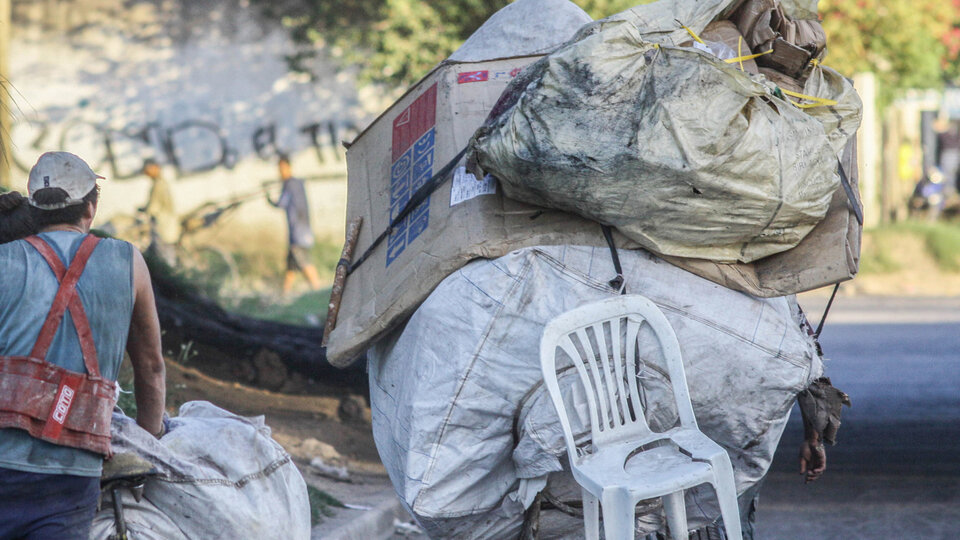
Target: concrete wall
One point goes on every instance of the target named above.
(200, 85)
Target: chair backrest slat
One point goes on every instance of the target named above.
(619, 361)
(615, 390)
(633, 381)
(592, 389)
(603, 357)
(566, 343)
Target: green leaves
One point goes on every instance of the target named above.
(908, 43)
(395, 42)
(903, 41)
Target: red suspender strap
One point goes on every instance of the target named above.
(67, 298)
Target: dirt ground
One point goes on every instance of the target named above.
(336, 419)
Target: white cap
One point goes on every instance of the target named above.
(65, 171)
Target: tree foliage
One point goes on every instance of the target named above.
(905, 42)
(908, 43)
(952, 42)
(394, 41)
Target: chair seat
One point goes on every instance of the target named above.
(649, 473)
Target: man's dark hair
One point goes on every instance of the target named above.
(148, 162)
(69, 215)
(283, 157)
(15, 219)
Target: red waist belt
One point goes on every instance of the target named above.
(49, 402)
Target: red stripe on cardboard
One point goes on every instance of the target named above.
(414, 121)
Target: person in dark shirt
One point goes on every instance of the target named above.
(948, 153)
(15, 219)
(293, 199)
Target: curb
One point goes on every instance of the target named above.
(373, 524)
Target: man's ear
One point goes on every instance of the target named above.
(90, 210)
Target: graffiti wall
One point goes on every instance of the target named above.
(191, 147)
(202, 87)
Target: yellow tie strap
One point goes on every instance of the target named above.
(740, 56)
(817, 101)
(691, 32)
(740, 51)
(740, 59)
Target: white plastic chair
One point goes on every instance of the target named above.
(629, 462)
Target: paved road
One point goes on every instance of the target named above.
(896, 471)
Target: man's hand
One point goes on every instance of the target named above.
(813, 458)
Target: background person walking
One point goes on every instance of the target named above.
(293, 199)
(161, 214)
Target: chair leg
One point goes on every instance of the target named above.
(726, 489)
(676, 509)
(729, 510)
(618, 514)
(591, 515)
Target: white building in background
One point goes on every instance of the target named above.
(202, 87)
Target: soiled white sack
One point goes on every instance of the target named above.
(144, 521)
(800, 9)
(219, 476)
(462, 423)
(520, 29)
(680, 151)
(840, 121)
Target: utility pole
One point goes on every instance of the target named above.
(5, 102)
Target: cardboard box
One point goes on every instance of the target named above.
(465, 218)
(462, 220)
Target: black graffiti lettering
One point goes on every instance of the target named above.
(334, 133)
(312, 130)
(126, 149)
(191, 147)
(326, 136)
(265, 141)
(197, 146)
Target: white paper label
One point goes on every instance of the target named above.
(702, 46)
(466, 186)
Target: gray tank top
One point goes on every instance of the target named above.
(27, 288)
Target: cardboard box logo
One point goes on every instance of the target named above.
(473, 76)
(487, 75)
(413, 144)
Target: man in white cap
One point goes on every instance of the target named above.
(70, 305)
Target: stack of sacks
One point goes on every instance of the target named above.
(656, 122)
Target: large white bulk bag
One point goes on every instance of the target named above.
(464, 427)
